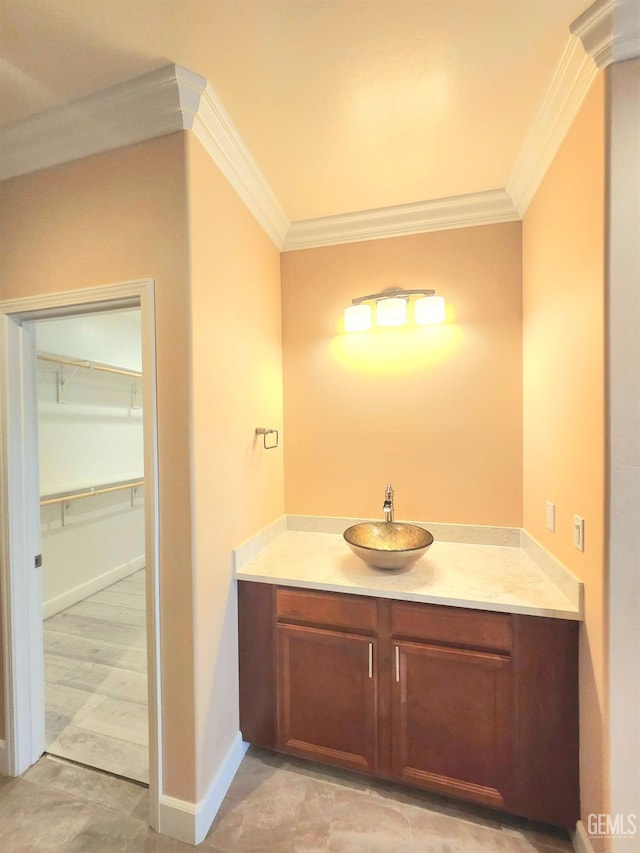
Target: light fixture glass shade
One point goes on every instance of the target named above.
(357, 318)
(429, 310)
(391, 312)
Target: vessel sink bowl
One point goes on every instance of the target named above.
(388, 544)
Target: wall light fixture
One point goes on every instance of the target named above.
(391, 309)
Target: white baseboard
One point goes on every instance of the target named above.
(84, 590)
(177, 819)
(4, 759)
(210, 803)
(580, 839)
(190, 822)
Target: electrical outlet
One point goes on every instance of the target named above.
(551, 516)
(578, 532)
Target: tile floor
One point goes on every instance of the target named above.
(95, 664)
(275, 804)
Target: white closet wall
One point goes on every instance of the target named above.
(89, 435)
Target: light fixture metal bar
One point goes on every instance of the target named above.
(391, 294)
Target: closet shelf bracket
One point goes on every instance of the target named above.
(62, 383)
(65, 362)
(136, 399)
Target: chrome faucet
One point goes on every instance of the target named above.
(387, 506)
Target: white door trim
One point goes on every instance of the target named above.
(17, 560)
(16, 499)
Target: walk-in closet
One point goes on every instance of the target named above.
(90, 441)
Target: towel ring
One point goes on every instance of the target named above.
(264, 432)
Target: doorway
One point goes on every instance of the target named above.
(91, 477)
(29, 729)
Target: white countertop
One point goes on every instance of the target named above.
(484, 577)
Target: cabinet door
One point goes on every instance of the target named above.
(452, 721)
(327, 696)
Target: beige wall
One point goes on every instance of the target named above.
(238, 487)
(436, 410)
(115, 217)
(142, 212)
(563, 360)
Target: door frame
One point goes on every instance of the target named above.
(20, 614)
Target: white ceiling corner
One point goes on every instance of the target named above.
(610, 30)
(484, 208)
(142, 108)
(169, 99)
(594, 28)
(215, 130)
(190, 89)
(571, 81)
(174, 98)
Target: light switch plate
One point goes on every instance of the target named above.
(578, 532)
(551, 516)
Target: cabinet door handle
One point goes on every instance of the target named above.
(370, 660)
(397, 663)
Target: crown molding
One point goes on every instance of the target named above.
(217, 134)
(569, 86)
(164, 101)
(610, 30)
(462, 211)
(173, 98)
(154, 104)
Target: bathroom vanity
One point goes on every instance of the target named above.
(478, 702)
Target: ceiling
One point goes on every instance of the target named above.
(346, 105)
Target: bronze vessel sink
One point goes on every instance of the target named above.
(388, 544)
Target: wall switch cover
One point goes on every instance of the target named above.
(551, 515)
(578, 532)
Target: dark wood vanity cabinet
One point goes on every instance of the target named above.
(472, 704)
(326, 707)
(452, 721)
(326, 652)
(452, 727)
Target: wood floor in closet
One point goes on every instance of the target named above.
(96, 681)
